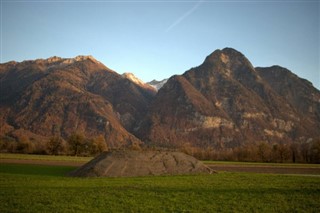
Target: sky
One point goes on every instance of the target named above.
(157, 39)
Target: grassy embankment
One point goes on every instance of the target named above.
(40, 188)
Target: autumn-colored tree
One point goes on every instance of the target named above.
(76, 144)
(315, 151)
(55, 145)
(294, 152)
(305, 148)
(97, 145)
(25, 145)
(263, 151)
(283, 152)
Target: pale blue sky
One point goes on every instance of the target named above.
(157, 39)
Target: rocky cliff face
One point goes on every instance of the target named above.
(225, 102)
(61, 96)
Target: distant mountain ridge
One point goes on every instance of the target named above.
(223, 103)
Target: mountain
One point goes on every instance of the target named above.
(157, 84)
(57, 96)
(223, 104)
(226, 102)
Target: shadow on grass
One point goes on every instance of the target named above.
(43, 170)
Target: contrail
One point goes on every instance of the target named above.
(181, 18)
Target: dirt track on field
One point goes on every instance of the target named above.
(266, 169)
(217, 167)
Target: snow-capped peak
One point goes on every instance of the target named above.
(157, 84)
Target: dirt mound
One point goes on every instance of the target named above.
(140, 163)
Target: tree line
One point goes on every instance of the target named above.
(304, 152)
(79, 145)
(76, 144)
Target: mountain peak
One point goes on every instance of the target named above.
(231, 51)
(133, 78)
(61, 62)
(225, 56)
(85, 57)
(80, 58)
(54, 59)
(228, 58)
(58, 61)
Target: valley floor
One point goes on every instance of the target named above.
(273, 168)
(27, 187)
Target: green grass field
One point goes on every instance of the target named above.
(239, 163)
(38, 188)
(44, 157)
(86, 159)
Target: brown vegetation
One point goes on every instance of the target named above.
(307, 152)
(56, 146)
(77, 144)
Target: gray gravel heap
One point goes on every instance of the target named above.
(132, 163)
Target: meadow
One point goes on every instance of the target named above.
(64, 158)
(43, 188)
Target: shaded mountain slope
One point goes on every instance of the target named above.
(225, 102)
